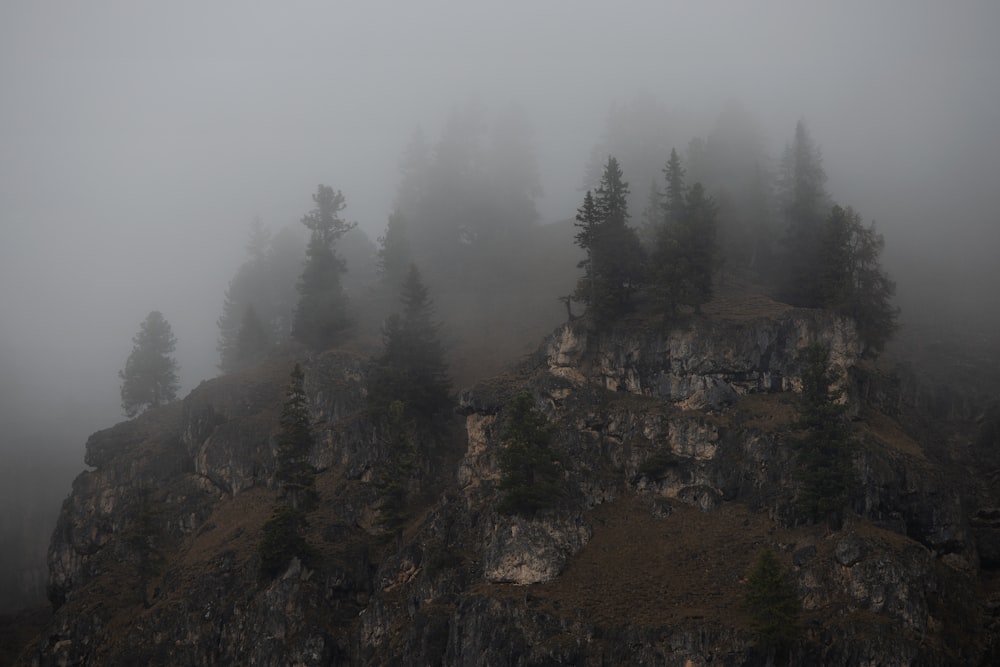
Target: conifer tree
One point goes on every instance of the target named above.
(392, 477)
(851, 279)
(826, 447)
(411, 368)
(284, 533)
(615, 260)
(149, 378)
(321, 316)
(772, 602)
(530, 478)
(295, 473)
(804, 202)
(394, 251)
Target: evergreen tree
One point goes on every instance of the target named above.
(253, 340)
(826, 446)
(411, 368)
(264, 282)
(321, 316)
(284, 533)
(685, 256)
(394, 251)
(143, 536)
(652, 218)
(392, 477)
(772, 602)
(697, 251)
(674, 203)
(530, 478)
(804, 201)
(614, 263)
(295, 473)
(851, 279)
(149, 378)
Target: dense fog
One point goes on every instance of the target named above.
(139, 140)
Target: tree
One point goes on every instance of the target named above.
(149, 378)
(804, 202)
(321, 316)
(772, 602)
(852, 281)
(685, 255)
(614, 263)
(411, 368)
(530, 478)
(295, 473)
(826, 447)
(284, 533)
(394, 251)
(674, 204)
(392, 477)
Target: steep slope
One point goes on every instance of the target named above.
(675, 445)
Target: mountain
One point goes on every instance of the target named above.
(678, 464)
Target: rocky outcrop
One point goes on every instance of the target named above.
(667, 425)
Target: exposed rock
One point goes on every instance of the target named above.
(660, 420)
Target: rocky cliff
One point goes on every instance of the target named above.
(674, 445)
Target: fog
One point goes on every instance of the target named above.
(138, 140)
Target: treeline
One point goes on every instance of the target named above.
(464, 224)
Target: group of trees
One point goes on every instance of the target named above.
(678, 268)
(784, 231)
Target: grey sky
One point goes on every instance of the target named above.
(138, 139)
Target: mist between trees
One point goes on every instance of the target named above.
(719, 211)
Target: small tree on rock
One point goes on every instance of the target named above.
(149, 378)
(531, 478)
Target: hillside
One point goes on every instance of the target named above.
(675, 445)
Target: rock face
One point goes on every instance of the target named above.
(660, 435)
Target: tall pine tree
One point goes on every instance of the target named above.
(411, 368)
(321, 316)
(615, 260)
(149, 378)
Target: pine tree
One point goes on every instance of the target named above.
(804, 201)
(615, 260)
(697, 249)
(392, 477)
(394, 251)
(530, 478)
(851, 279)
(295, 473)
(411, 368)
(321, 316)
(674, 203)
(149, 378)
(826, 447)
(253, 340)
(772, 602)
(284, 533)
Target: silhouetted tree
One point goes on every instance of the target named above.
(804, 203)
(143, 536)
(149, 378)
(264, 282)
(411, 368)
(851, 279)
(685, 254)
(283, 535)
(614, 265)
(530, 477)
(394, 251)
(321, 316)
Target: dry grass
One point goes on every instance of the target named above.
(641, 570)
(741, 302)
